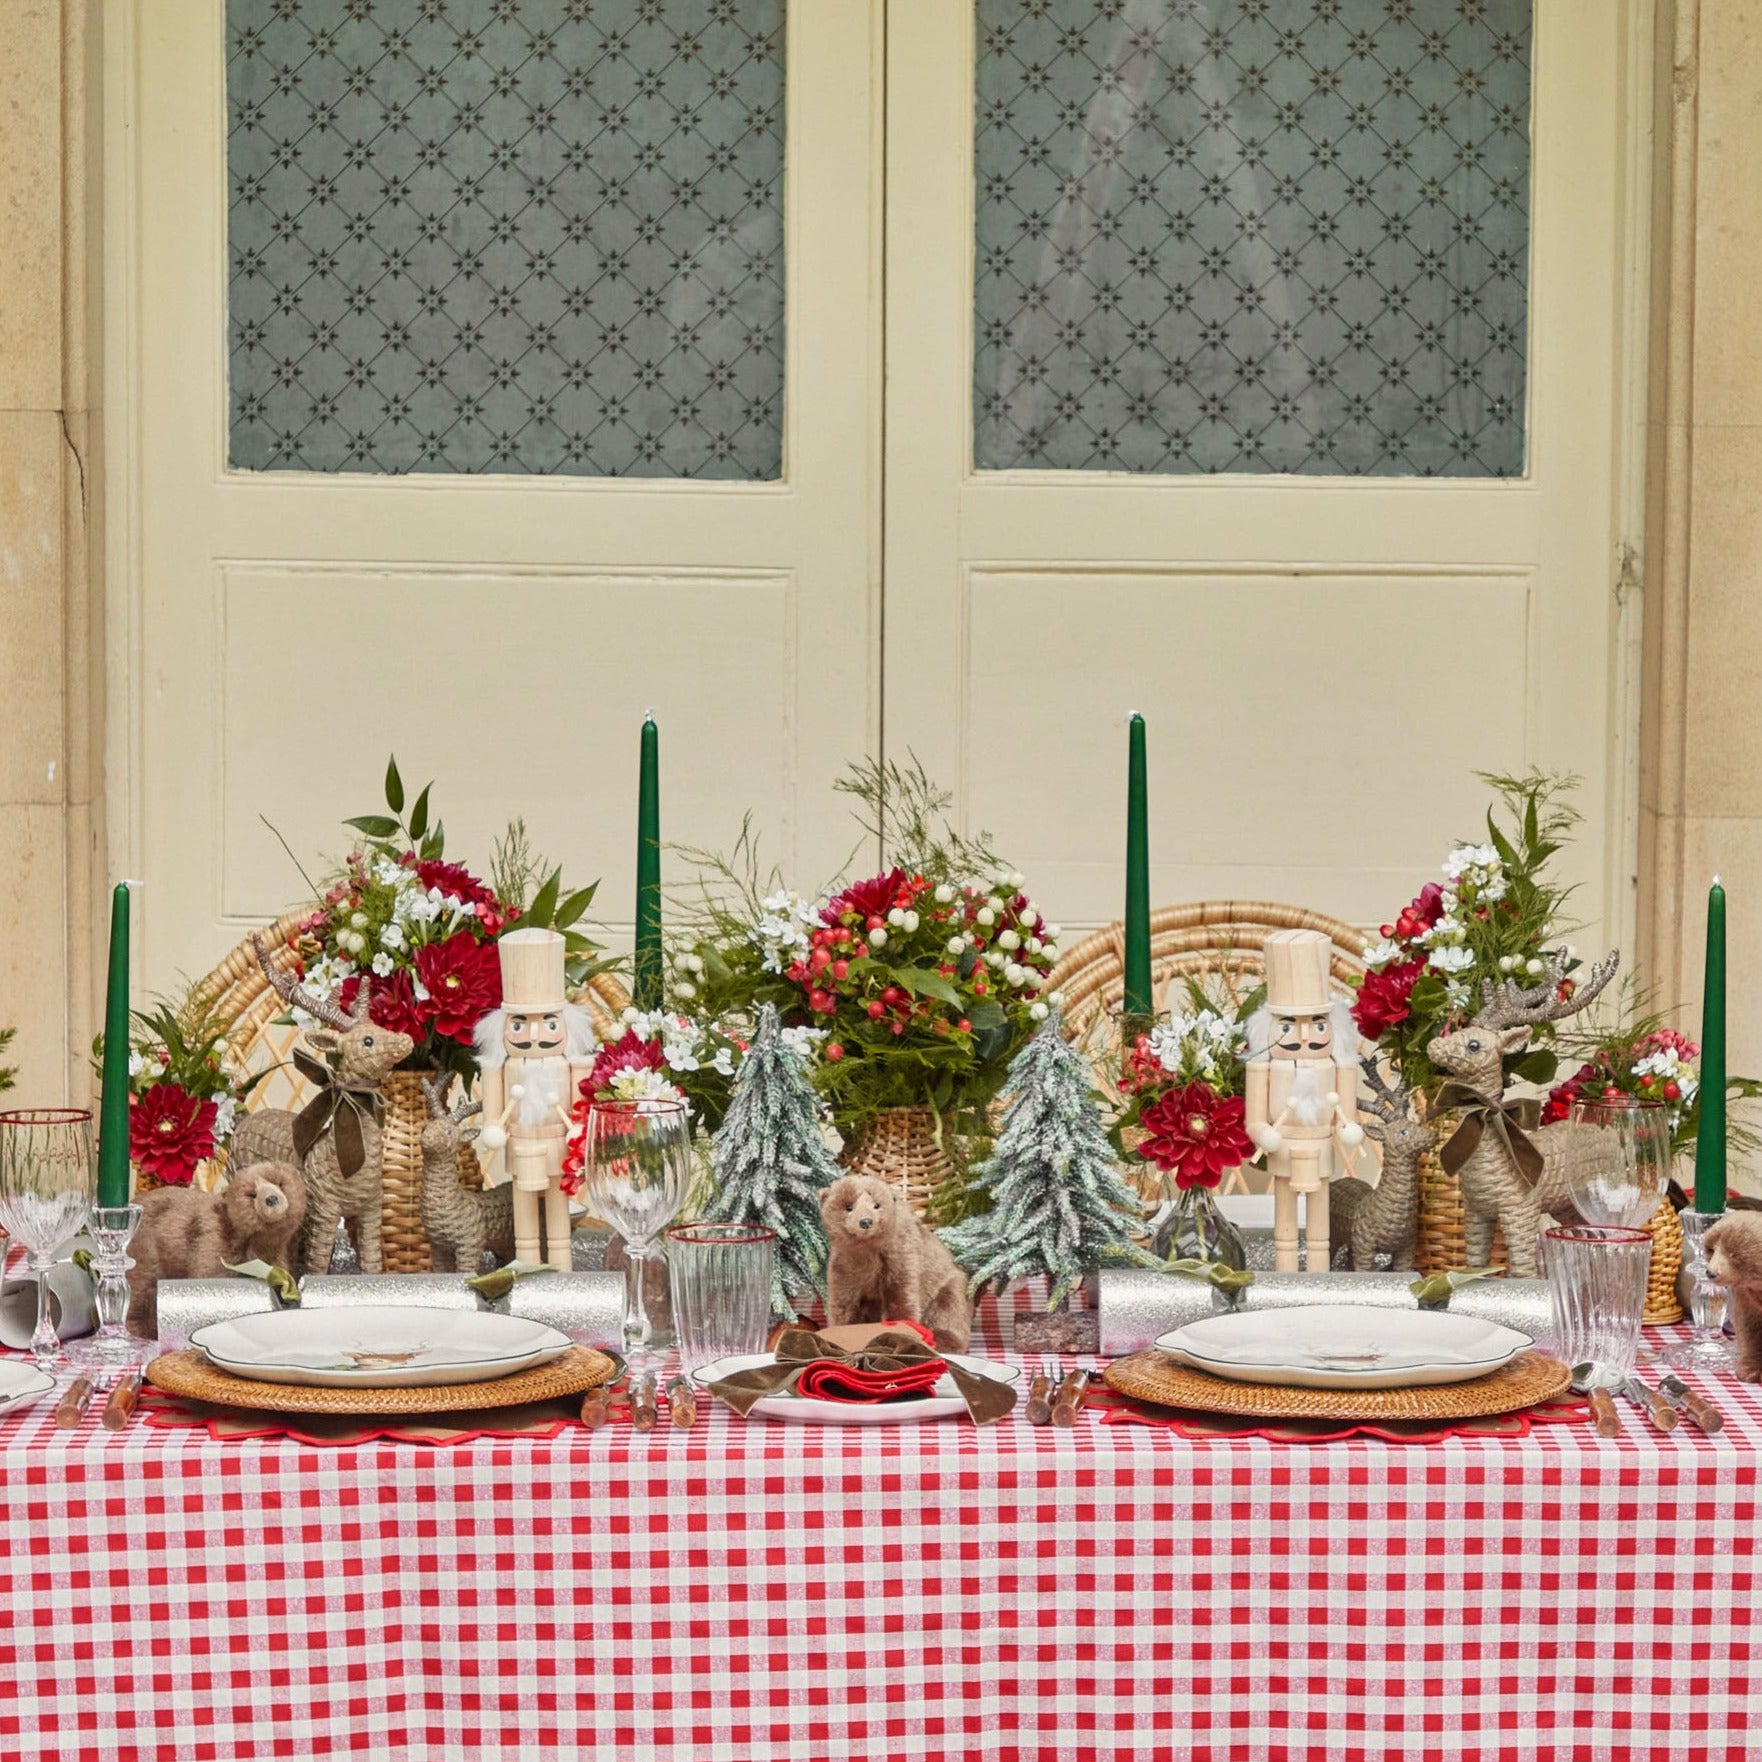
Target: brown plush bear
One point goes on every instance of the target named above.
(1734, 1258)
(185, 1234)
(885, 1265)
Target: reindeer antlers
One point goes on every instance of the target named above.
(434, 1092)
(1511, 1005)
(296, 996)
(1388, 1104)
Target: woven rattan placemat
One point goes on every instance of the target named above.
(1154, 1376)
(190, 1373)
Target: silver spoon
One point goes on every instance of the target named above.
(1590, 1378)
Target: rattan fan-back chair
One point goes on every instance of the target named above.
(1211, 939)
(260, 1038)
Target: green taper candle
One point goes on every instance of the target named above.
(1710, 1132)
(113, 1181)
(1137, 995)
(647, 993)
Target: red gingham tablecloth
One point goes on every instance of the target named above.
(777, 1592)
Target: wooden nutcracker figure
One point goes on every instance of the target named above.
(534, 1053)
(1302, 1090)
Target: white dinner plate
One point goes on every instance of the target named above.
(943, 1402)
(1341, 1346)
(21, 1384)
(378, 1347)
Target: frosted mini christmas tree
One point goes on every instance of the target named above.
(1058, 1204)
(769, 1162)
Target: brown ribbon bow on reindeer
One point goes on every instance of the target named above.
(1512, 1120)
(339, 1106)
(894, 1365)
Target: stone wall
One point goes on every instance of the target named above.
(1701, 735)
(51, 636)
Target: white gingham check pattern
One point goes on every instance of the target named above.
(767, 1591)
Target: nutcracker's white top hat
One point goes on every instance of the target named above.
(1297, 966)
(532, 969)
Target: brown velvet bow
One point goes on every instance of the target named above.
(895, 1349)
(1512, 1120)
(337, 1106)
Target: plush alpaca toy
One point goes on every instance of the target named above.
(185, 1234)
(885, 1265)
(1734, 1258)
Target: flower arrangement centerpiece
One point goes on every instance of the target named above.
(1641, 1058)
(918, 983)
(399, 916)
(661, 1054)
(1493, 917)
(184, 1090)
(1180, 1112)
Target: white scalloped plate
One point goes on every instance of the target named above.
(1345, 1346)
(370, 1346)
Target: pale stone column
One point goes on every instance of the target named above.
(1701, 741)
(51, 644)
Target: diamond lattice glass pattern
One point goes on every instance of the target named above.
(507, 235)
(1252, 235)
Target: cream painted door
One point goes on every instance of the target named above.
(1324, 658)
(278, 631)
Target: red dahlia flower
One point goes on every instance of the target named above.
(464, 982)
(455, 880)
(873, 898)
(169, 1132)
(1195, 1135)
(632, 1053)
(1385, 998)
(394, 1003)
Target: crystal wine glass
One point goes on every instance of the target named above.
(46, 1174)
(1624, 1185)
(638, 1168)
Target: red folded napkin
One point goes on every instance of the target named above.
(828, 1380)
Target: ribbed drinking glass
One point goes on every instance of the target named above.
(1597, 1280)
(720, 1277)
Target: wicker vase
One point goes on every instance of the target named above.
(403, 1243)
(1443, 1218)
(1662, 1306)
(913, 1150)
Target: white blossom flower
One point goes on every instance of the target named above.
(801, 1041)
(1457, 993)
(644, 1085)
(723, 1063)
(1382, 953)
(1452, 960)
(383, 964)
(387, 873)
(392, 936)
(422, 908)
(136, 1064)
(225, 1112)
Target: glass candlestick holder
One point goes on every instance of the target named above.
(1709, 1350)
(112, 1348)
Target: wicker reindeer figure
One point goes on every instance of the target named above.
(335, 1137)
(1511, 1171)
(458, 1221)
(1385, 1218)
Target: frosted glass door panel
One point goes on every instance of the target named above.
(477, 235)
(1274, 236)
